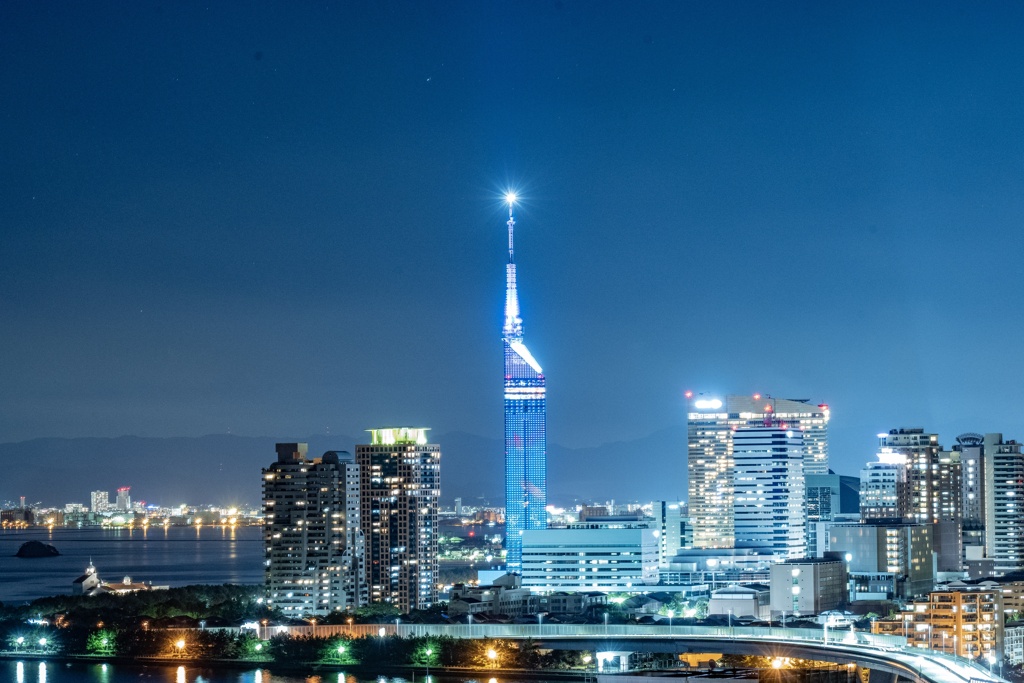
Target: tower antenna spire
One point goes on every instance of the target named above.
(510, 197)
(513, 328)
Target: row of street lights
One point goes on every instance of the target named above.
(20, 641)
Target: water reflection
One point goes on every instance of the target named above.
(14, 671)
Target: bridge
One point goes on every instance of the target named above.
(887, 657)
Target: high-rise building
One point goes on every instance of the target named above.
(400, 485)
(885, 488)
(768, 480)
(99, 501)
(526, 479)
(1003, 492)
(993, 487)
(828, 496)
(710, 426)
(124, 498)
(934, 478)
(670, 520)
(311, 532)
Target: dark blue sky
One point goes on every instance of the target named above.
(284, 218)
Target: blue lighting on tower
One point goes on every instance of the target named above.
(526, 452)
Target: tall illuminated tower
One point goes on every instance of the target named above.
(526, 468)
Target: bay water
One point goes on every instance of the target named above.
(171, 556)
(34, 671)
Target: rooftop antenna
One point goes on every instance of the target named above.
(513, 323)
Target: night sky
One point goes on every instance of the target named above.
(285, 218)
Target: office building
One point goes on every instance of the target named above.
(971, 448)
(768, 489)
(124, 498)
(808, 585)
(885, 488)
(400, 484)
(710, 426)
(887, 560)
(590, 557)
(311, 533)
(828, 498)
(670, 520)
(934, 478)
(526, 479)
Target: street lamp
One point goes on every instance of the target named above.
(493, 656)
(18, 642)
(428, 652)
(42, 643)
(671, 613)
(181, 647)
(796, 592)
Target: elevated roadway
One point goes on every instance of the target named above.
(886, 656)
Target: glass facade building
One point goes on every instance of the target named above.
(711, 425)
(525, 426)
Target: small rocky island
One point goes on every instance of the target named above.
(36, 549)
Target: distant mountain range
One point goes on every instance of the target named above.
(225, 469)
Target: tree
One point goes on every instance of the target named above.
(426, 653)
(377, 612)
(102, 642)
(338, 650)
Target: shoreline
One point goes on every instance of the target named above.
(390, 670)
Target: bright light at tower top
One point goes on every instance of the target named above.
(510, 198)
